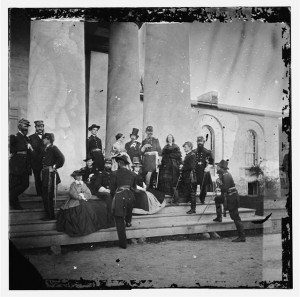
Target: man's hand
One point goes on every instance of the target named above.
(180, 166)
(29, 146)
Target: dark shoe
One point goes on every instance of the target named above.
(123, 246)
(217, 219)
(128, 224)
(174, 202)
(191, 211)
(239, 239)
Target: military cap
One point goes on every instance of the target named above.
(149, 129)
(200, 139)
(93, 126)
(24, 122)
(49, 136)
(39, 123)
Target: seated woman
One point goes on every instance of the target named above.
(145, 201)
(81, 214)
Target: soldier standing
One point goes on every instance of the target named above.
(203, 158)
(187, 169)
(151, 152)
(52, 160)
(121, 183)
(19, 164)
(94, 147)
(230, 198)
(133, 147)
(36, 157)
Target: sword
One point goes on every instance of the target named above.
(213, 196)
(55, 188)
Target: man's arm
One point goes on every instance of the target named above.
(59, 158)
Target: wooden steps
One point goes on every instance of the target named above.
(28, 231)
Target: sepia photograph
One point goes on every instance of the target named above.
(149, 147)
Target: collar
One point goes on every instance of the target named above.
(21, 133)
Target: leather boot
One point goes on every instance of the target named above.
(241, 232)
(219, 213)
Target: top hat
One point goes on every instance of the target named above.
(49, 136)
(39, 123)
(200, 138)
(88, 157)
(93, 126)
(122, 158)
(24, 122)
(223, 164)
(77, 173)
(135, 132)
(149, 129)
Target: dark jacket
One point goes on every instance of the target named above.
(228, 190)
(19, 162)
(101, 180)
(203, 157)
(36, 156)
(52, 156)
(94, 142)
(189, 164)
(133, 149)
(155, 145)
(86, 171)
(122, 198)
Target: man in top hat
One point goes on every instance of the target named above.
(133, 147)
(19, 163)
(230, 198)
(151, 152)
(36, 156)
(94, 147)
(53, 159)
(204, 157)
(122, 181)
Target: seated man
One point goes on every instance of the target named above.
(99, 186)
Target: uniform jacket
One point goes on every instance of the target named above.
(133, 149)
(101, 180)
(203, 157)
(52, 156)
(19, 163)
(189, 164)
(75, 190)
(87, 171)
(94, 142)
(155, 145)
(36, 155)
(227, 188)
(122, 198)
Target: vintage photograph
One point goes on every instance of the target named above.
(149, 148)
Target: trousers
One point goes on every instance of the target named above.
(48, 193)
(121, 228)
(17, 185)
(38, 181)
(191, 193)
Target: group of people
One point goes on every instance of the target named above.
(106, 192)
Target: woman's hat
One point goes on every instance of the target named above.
(76, 173)
(88, 157)
(135, 132)
(223, 164)
(119, 135)
(122, 158)
(93, 126)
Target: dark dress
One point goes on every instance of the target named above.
(80, 217)
(169, 169)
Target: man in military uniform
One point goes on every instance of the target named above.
(151, 152)
(203, 158)
(100, 187)
(121, 183)
(53, 159)
(36, 157)
(230, 198)
(94, 147)
(133, 147)
(19, 164)
(187, 168)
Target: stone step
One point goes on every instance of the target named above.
(35, 239)
(155, 220)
